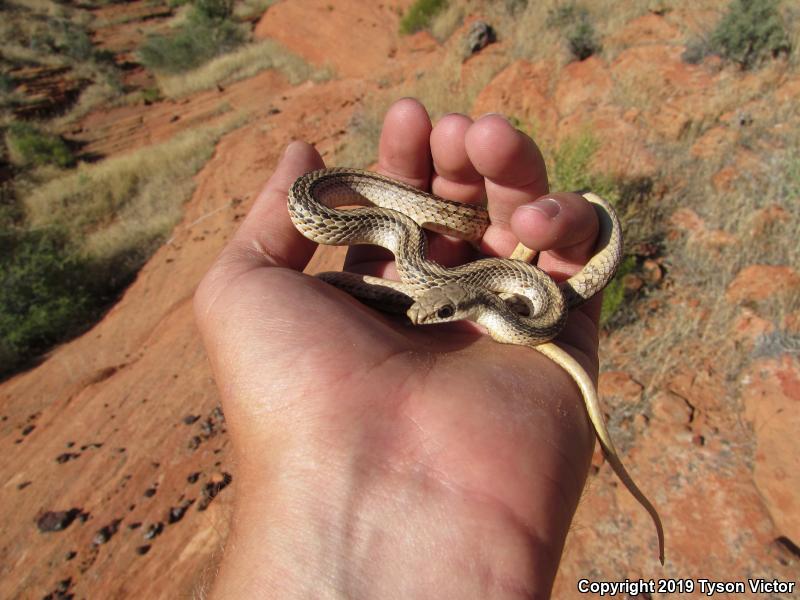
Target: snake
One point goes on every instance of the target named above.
(514, 301)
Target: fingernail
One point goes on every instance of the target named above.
(492, 114)
(285, 150)
(549, 207)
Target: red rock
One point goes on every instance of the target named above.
(723, 179)
(632, 283)
(671, 409)
(760, 282)
(746, 162)
(687, 219)
(521, 91)
(335, 33)
(621, 385)
(713, 142)
(582, 85)
(764, 219)
(748, 326)
(622, 152)
(653, 273)
(771, 396)
(672, 93)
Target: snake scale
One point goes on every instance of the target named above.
(516, 302)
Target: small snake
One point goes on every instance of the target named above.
(516, 302)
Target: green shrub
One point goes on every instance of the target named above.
(614, 292)
(750, 32)
(151, 95)
(77, 44)
(582, 40)
(419, 15)
(696, 50)
(27, 146)
(574, 23)
(41, 296)
(207, 33)
(7, 83)
(571, 168)
(214, 9)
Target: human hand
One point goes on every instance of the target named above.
(377, 459)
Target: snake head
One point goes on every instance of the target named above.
(450, 302)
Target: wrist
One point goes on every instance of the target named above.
(380, 533)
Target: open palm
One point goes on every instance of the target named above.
(379, 459)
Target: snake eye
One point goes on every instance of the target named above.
(445, 312)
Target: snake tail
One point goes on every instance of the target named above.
(592, 403)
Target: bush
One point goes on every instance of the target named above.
(41, 296)
(419, 15)
(207, 33)
(571, 168)
(750, 32)
(614, 292)
(27, 146)
(574, 23)
(214, 9)
(7, 83)
(151, 95)
(77, 44)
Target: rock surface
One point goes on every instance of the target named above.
(761, 282)
(771, 396)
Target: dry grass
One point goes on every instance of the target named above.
(360, 147)
(696, 319)
(43, 33)
(126, 203)
(248, 9)
(241, 64)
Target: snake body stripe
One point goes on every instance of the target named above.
(517, 303)
(398, 211)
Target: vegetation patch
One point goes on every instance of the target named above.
(420, 14)
(241, 64)
(86, 235)
(614, 292)
(28, 146)
(43, 293)
(574, 23)
(207, 32)
(571, 170)
(46, 36)
(750, 32)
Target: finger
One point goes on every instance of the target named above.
(267, 228)
(403, 154)
(404, 148)
(563, 226)
(455, 178)
(267, 236)
(514, 173)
